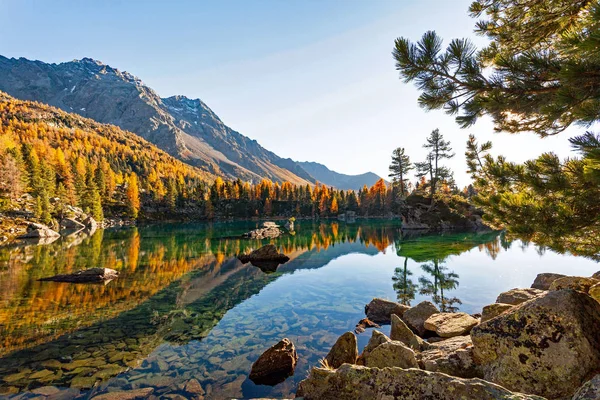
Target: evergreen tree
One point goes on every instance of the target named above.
(399, 168)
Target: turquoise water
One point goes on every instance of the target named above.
(185, 308)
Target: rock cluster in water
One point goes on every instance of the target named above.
(535, 343)
(268, 231)
(267, 258)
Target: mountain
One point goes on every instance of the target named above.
(340, 181)
(185, 128)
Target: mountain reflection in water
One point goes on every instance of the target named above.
(184, 307)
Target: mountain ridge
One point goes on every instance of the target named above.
(185, 128)
(336, 179)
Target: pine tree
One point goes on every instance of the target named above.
(399, 168)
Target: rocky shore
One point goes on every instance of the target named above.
(538, 343)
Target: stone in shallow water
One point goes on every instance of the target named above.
(381, 310)
(126, 394)
(194, 387)
(275, 365)
(547, 346)
(344, 350)
(450, 324)
(350, 382)
(518, 296)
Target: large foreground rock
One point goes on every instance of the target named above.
(544, 280)
(91, 275)
(450, 324)
(380, 310)
(416, 316)
(547, 346)
(589, 391)
(344, 350)
(377, 338)
(391, 354)
(493, 310)
(275, 364)
(452, 356)
(351, 382)
(518, 296)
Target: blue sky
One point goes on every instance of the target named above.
(313, 80)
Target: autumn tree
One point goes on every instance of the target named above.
(133, 196)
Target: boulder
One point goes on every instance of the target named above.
(417, 315)
(391, 354)
(39, 231)
(402, 333)
(350, 382)
(380, 310)
(377, 338)
(543, 281)
(596, 275)
(518, 296)
(589, 391)
(494, 310)
(344, 350)
(363, 324)
(90, 223)
(450, 324)
(579, 283)
(547, 346)
(265, 253)
(595, 292)
(452, 356)
(91, 275)
(275, 365)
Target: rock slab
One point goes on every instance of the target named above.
(449, 325)
(350, 382)
(391, 354)
(547, 346)
(544, 280)
(402, 333)
(518, 296)
(345, 350)
(493, 310)
(275, 364)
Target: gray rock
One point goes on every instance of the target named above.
(377, 338)
(452, 356)
(402, 333)
(91, 275)
(268, 232)
(518, 296)
(275, 365)
(417, 315)
(71, 224)
(39, 231)
(391, 354)
(493, 310)
(579, 283)
(547, 346)
(544, 280)
(589, 391)
(351, 382)
(450, 324)
(380, 310)
(344, 350)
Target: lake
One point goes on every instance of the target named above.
(185, 308)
